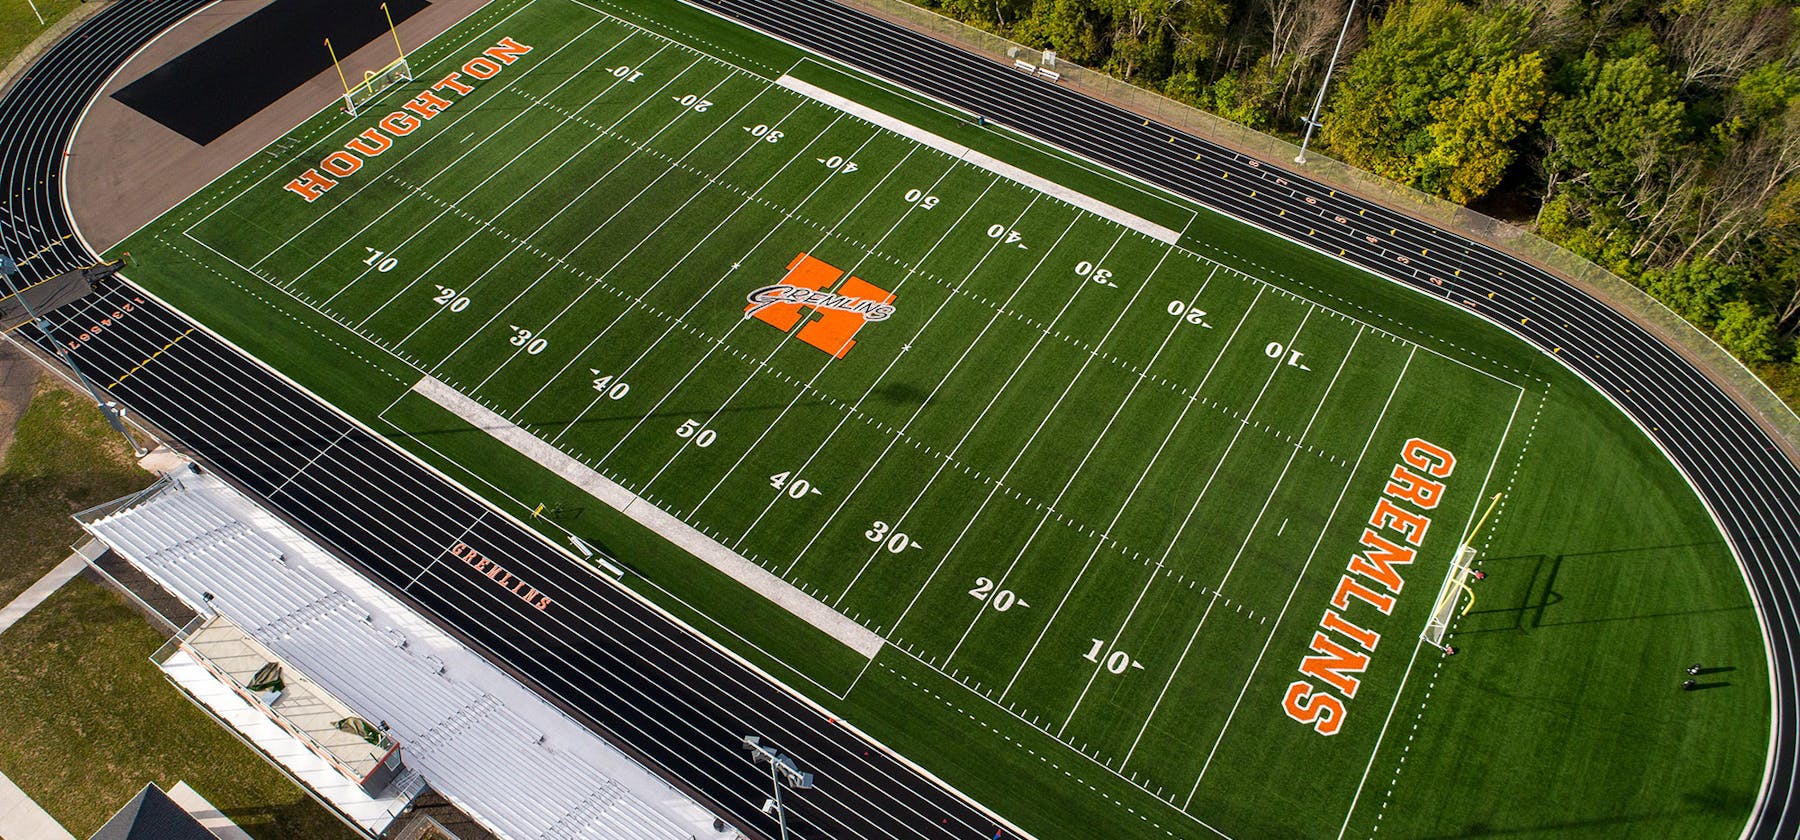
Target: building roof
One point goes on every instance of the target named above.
(478, 737)
(152, 815)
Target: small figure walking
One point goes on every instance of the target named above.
(1689, 684)
(980, 121)
(1449, 650)
(1694, 669)
(1480, 575)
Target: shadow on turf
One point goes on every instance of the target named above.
(1524, 586)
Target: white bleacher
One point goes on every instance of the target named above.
(453, 725)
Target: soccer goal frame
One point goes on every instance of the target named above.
(1456, 584)
(375, 83)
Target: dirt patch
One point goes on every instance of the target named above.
(18, 377)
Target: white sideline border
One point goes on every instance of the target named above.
(684, 536)
(1161, 233)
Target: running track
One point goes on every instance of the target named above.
(1751, 489)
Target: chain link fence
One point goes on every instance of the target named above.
(1745, 386)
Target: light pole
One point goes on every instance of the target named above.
(114, 414)
(1312, 122)
(781, 769)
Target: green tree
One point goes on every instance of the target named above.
(1438, 96)
(1747, 333)
(1473, 134)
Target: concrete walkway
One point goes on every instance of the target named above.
(47, 585)
(20, 817)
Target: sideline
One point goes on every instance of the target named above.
(684, 536)
(985, 161)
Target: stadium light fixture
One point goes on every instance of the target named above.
(1312, 122)
(782, 769)
(9, 268)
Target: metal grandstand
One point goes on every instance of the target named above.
(498, 752)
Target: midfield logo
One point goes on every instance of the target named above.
(841, 311)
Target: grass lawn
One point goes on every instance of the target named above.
(89, 720)
(65, 458)
(19, 25)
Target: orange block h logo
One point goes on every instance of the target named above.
(807, 291)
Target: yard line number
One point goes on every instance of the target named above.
(527, 339)
(449, 299)
(1095, 273)
(797, 488)
(921, 198)
(1191, 314)
(768, 135)
(884, 535)
(380, 260)
(1001, 600)
(607, 388)
(694, 103)
(690, 428)
(1115, 662)
(839, 163)
(1276, 350)
(627, 73)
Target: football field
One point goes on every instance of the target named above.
(1107, 488)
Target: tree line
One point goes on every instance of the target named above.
(1659, 139)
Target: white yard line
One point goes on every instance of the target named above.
(1192, 398)
(1250, 535)
(1163, 233)
(916, 267)
(948, 459)
(451, 205)
(525, 241)
(1368, 441)
(638, 299)
(714, 346)
(854, 407)
(801, 391)
(679, 533)
(442, 132)
(1106, 533)
(999, 481)
(259, 181)
(1050, 510)
(602, 276)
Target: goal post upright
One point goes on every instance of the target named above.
(1456, 583)
(374, 82)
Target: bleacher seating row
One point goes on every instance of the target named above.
(469, 746)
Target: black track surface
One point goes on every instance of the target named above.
(232, 76)
(689, 703)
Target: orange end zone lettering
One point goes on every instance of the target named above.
(1335, 664)
(1428, 456)
(310, 185)
(1415, 488)
(507, 51)
(1307, 705)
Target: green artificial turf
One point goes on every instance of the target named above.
(1095, 491)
